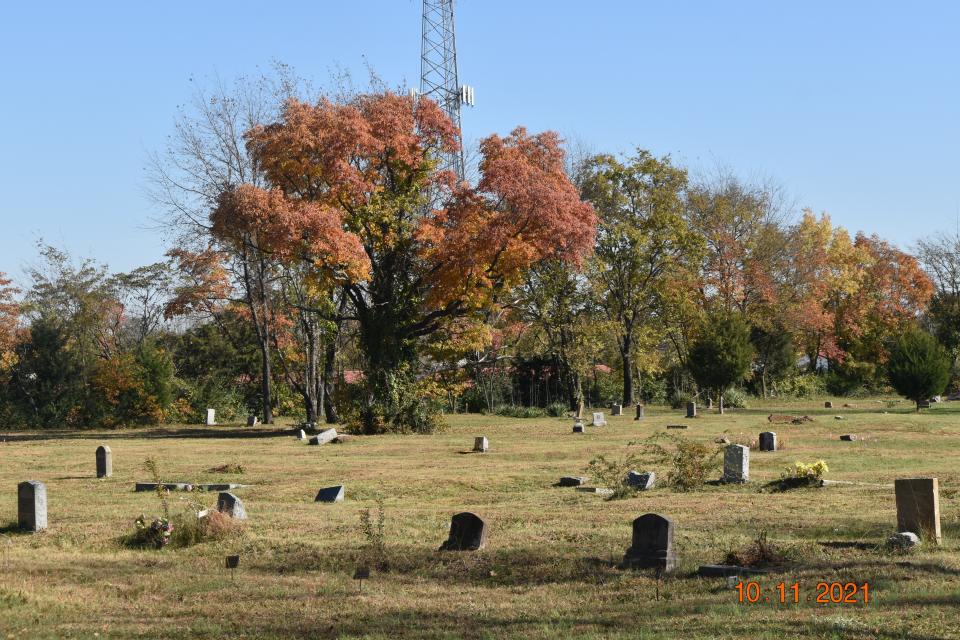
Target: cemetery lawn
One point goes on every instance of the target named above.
(548, 570)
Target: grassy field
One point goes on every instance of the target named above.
(549, 569)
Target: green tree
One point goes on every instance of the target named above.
(722, 354)
(919, 366)
(46, 388)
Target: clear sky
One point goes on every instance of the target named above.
(853, 106)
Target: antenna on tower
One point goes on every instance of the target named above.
(438, 72)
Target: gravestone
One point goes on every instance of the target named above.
(923, 404)
(572, 481)
(598, 419)
(480, 444)
(652, 545)
(903, 540)
(301, 435)
(211, 417)
(231, 505)
(918, 506)
(848, 437)
(600, 491)
(678, 426)
(616, 410)
(641, 481)
(639, 412)
(468, 532)
(828, 405)
(32, 505)
(709, 403)
(324, 437)
(691, 409)
(768, 441)
(252, 421)
(104, 462)
(736, 464)
(578, 426)
(330, 494)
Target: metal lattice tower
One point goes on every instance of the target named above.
(438, 71)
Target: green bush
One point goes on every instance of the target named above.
(612, 474)
(512, 411)
(734, 399)
(557, 409)
(919, 366)
(679, 399)
(805, 385)
(691, 463)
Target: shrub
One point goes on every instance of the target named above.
(213, 526)
(557, 409)
(653, 390)
(691, 462)
(734, 399)
(512, 411)
(612, 474)
(919, 366)
(800, 475)
(807, 385)
(375, 548)
(679, 399)
(722, 355)
(757, 553)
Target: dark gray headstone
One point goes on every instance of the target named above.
(231, 505)
(848, 437)
(691, 409)
(104, 462)
(652, 545)
(768, 441)
(828, 405)
(616, 410)
(572, 481)
(330, 494)
(32, 505)
(468, 532)
(641, 481)
(252, 421)
(639, 412)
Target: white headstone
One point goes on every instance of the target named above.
(211, 417)
(480, 444)
(598, 420)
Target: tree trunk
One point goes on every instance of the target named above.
(625, 346)
(265, 379)
(329, 360)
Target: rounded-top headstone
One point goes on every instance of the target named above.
(468, 532)
(231, 505)
(768, 441)
(652, 543)
(639, 412)
(104, 462)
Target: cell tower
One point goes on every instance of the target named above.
(438, 71)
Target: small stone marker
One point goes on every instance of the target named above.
(616, 410)
(641, 481)
(848, 437)
(600, 491)
(598, 419)
(572, 481)
(652, 545)
(104, 462)
(211, 417)
(32, 505)
(301, 435)
(918, 506)
(691, 409)
(709, 403)
(480, 444)
(468, 532)
(923, 404)
(736, 464)
(768, 441)
(828, 405)
(578, 426)
(231, 505)
(252, 421)
(639, 412)
(678, 426)
(232, 562)
(324, 437)
(330, 494)
(903, 540)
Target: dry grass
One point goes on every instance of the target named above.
(549, 570)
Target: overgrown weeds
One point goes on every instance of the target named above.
(691, 463)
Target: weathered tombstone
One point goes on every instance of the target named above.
(211, 417)
(572, 481)
(768, 441)
(231, 505)
(616, 410)
(468, 532)
(652, 545)
(330, 494)
(639, 412)
(480, 444)
(104, 462)
(736, 464)
(301, 435)
(918, 506)
(598, 419)
(578, 426)
(641, 481)
(600, 491)
(709, 403)
(691, 409)
(324, 437)
(848, 437)
(252, 421)
(32, 505)
(903, 540)
(923, 404)
(678, 426)
(828, 405)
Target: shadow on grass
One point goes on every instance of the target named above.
(13, 528)
(152, 434)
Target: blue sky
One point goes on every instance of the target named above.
(854, 107)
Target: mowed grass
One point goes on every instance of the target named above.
(549, 569)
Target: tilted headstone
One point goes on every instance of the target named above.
(252, 421)
(768, 441)
(480, 444)
(652, 545)
(104, 462)
(330, 494)
(848, 437)
(231, 505)
(324, 437)
(641, 481)
(918, 506)
(598, 419)
(211, 417)
(639, 412)
(691, 409)
(573, 481)
(736, 464)
(301, 435)
(616, 410)
(32, 505)
(468, 532)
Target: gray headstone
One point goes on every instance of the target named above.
(578, 426)
(301, 435)
(330, 494)
(736, 464)
(768, 441)
(709, 403)
(211, 417)
(828, 405)
(480, 444)
(468, 532)
(639, 412)
(598, 419)
(641, 481)
(903, 540)
(32, 505)
(918, 506)
(324, 437)
(572, 481)
(252, 421)
(616, 410)
(231, 505)
(652, 545)
(848, 437)
(104, 462)
(691, 409)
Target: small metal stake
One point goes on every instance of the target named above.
(361, 574)
(232, 563)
